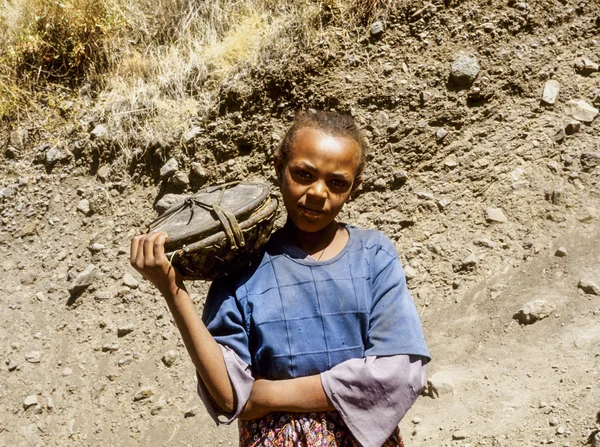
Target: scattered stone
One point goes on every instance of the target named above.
(169, 358)
(560, 430)
(561, 252)
(441, 383)
(96, 247)
(400, 175)
(589, 160)
(416, 420)
(483, 242)
(198, 173)
(559, 135)
(191, 134)
(495, 215)
(102, 295)
(143, 393)
(124, 362)
(441, 134)
(192, 412)
(11, 365)
(589, 287)
(409, 272)
(376, 29)
(550, 93)
(99, 132)
(169, 168)
(464, 71)
(83, 280)
(84, 207)
(30, 401)
(534, 311)
(128, 328)
(33, 356)
(180, 179)
(67, 372)
(459, 435)
(573, 127)
(581, 110)
(585, 66)
(587, 215)
(388, 68)
(169, 200)
(379, 183)
(443, 203)
(19, 138)
(103, 172)
(53, 156)
(130, 281)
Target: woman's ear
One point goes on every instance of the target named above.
(357, 181)
(278, 168)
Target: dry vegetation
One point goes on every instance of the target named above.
(150, 68)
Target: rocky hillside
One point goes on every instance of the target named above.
(484, 167)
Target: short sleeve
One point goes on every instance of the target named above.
(394, 324)
(225, 320)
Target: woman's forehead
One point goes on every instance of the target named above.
(314, 144)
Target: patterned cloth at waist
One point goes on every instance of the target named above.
(322, 429)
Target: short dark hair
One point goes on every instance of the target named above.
(333, 123)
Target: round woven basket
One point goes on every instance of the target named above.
(219, 229)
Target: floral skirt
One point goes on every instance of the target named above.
(325, 429)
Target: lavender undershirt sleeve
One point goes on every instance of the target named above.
(372, 394)
(241, 380)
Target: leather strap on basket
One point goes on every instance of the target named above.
(227, 218)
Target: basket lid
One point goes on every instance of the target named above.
(196, 217)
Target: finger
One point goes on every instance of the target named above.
(159, 247)
(149, 249)
(133, 248)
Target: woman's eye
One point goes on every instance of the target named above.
(303, 174)
(339, 183)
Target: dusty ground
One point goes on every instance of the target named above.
(73, 365)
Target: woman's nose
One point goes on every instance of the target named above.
(318, 189)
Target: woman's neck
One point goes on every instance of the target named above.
(314, 243)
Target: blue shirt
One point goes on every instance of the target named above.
(290, 316)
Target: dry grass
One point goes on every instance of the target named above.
(154, 65)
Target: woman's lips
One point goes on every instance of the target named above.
(311, 212)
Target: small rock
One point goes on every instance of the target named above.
(589, 287)
(169, 358)
(30, 401)
(33, 356)
(198, 173)
(559, 135)
(19, 139)
(125, 329)
(560, 430)
(561, 252)
(102, 295)
(50, 403)
(550, 93)
(379, 183)
(11, 365)
(99, 132)
(581, 110)
(585, 66)
(464, 71)
(573, 127)
(534, 311)
(191, 134)
(409, 272)
(589, 160)
(130, 281)
(103, 172)
(143, 393)
(441, 383)
(96, 247)
(67, 372)
(459, 435)
(441, 134)
(495, 215)
(180, 179)
(443, 203)
(388, 68)
(53, 156)
(554, 422)
(169, 200)
(416, 420)
(83, 280)
(169, 168)
(84, 207)
(191, 412)
(124, 362)
(376, 29)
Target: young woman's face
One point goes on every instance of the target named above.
(317, 177)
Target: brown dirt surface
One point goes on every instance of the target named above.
(445, 160)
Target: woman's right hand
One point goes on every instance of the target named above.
(147, 256)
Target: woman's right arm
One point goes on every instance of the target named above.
(148, 257)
